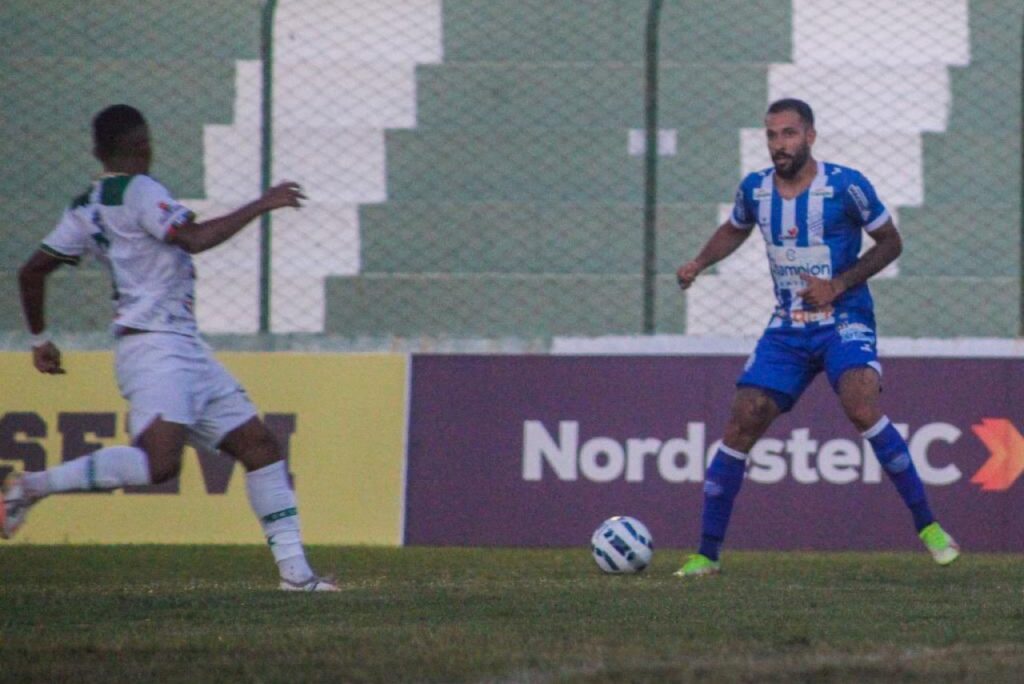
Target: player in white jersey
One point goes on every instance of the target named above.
(177, 391)
(811, 215)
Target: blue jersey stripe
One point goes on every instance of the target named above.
(777, 228)
(840, 203)
(803, 239)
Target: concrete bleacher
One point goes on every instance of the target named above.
(471, 164)
(344, 73)
(58, 67)
(965, 237)
(924, 97)
(524, 238)
(496, 305)
(517, 189)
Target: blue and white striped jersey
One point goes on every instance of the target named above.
(817, 232)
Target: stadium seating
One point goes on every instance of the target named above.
(56, 71)
(475, 167)
(518, 150)
(935, 122)
(965, 238)
(514, 207)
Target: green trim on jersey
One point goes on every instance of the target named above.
(64, 258)
(81, 200)
(112, 190)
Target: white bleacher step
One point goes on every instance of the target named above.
(893, 33)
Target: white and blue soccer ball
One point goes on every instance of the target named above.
(622, 545)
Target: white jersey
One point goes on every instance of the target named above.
(124, 221)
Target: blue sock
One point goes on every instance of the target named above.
(894, 456)
(721, 485)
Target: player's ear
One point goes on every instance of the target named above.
(812, 134)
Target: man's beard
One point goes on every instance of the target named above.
(796, 162)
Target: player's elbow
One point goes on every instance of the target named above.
(193, 247)
(896, 247)
(27, 275)
(34, 271)
(889, 243)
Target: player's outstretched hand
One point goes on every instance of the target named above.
(819, 293)
(687, 273)
(286, 194)
(46, 359)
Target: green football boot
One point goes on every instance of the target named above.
(938, 542)
(698, 565)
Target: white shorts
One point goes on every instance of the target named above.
(176, 378)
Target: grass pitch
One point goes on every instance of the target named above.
(211, 614)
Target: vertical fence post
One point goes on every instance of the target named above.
(266, 153)
(651, 164)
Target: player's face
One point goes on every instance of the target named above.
(789, 142)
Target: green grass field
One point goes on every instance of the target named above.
(211, 614)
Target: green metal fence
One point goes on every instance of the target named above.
(498, 170)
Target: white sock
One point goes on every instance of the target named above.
(107, 468)
(273, 502)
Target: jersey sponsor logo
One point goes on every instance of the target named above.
(790, 233)
(827, 191)
(804, 316)
(762, 193)
(788, 270)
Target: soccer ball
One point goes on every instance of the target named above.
(622, 545)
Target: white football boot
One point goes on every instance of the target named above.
(14, 505)
(314, 583)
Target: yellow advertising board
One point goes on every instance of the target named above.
(341, 419)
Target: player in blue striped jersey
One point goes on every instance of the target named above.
(812, 216)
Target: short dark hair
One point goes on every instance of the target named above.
(792, 104)
(111, 124)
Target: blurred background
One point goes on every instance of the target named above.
(503, 174)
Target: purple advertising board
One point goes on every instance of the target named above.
(538, 450)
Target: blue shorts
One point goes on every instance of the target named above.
(787, 359)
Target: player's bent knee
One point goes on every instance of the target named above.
(862, 415)
(253, 445)
(164, 468)
(753, 412)
(266, 450)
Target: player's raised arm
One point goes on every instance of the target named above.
(724, 242)
(199, 237)
(32, 286)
